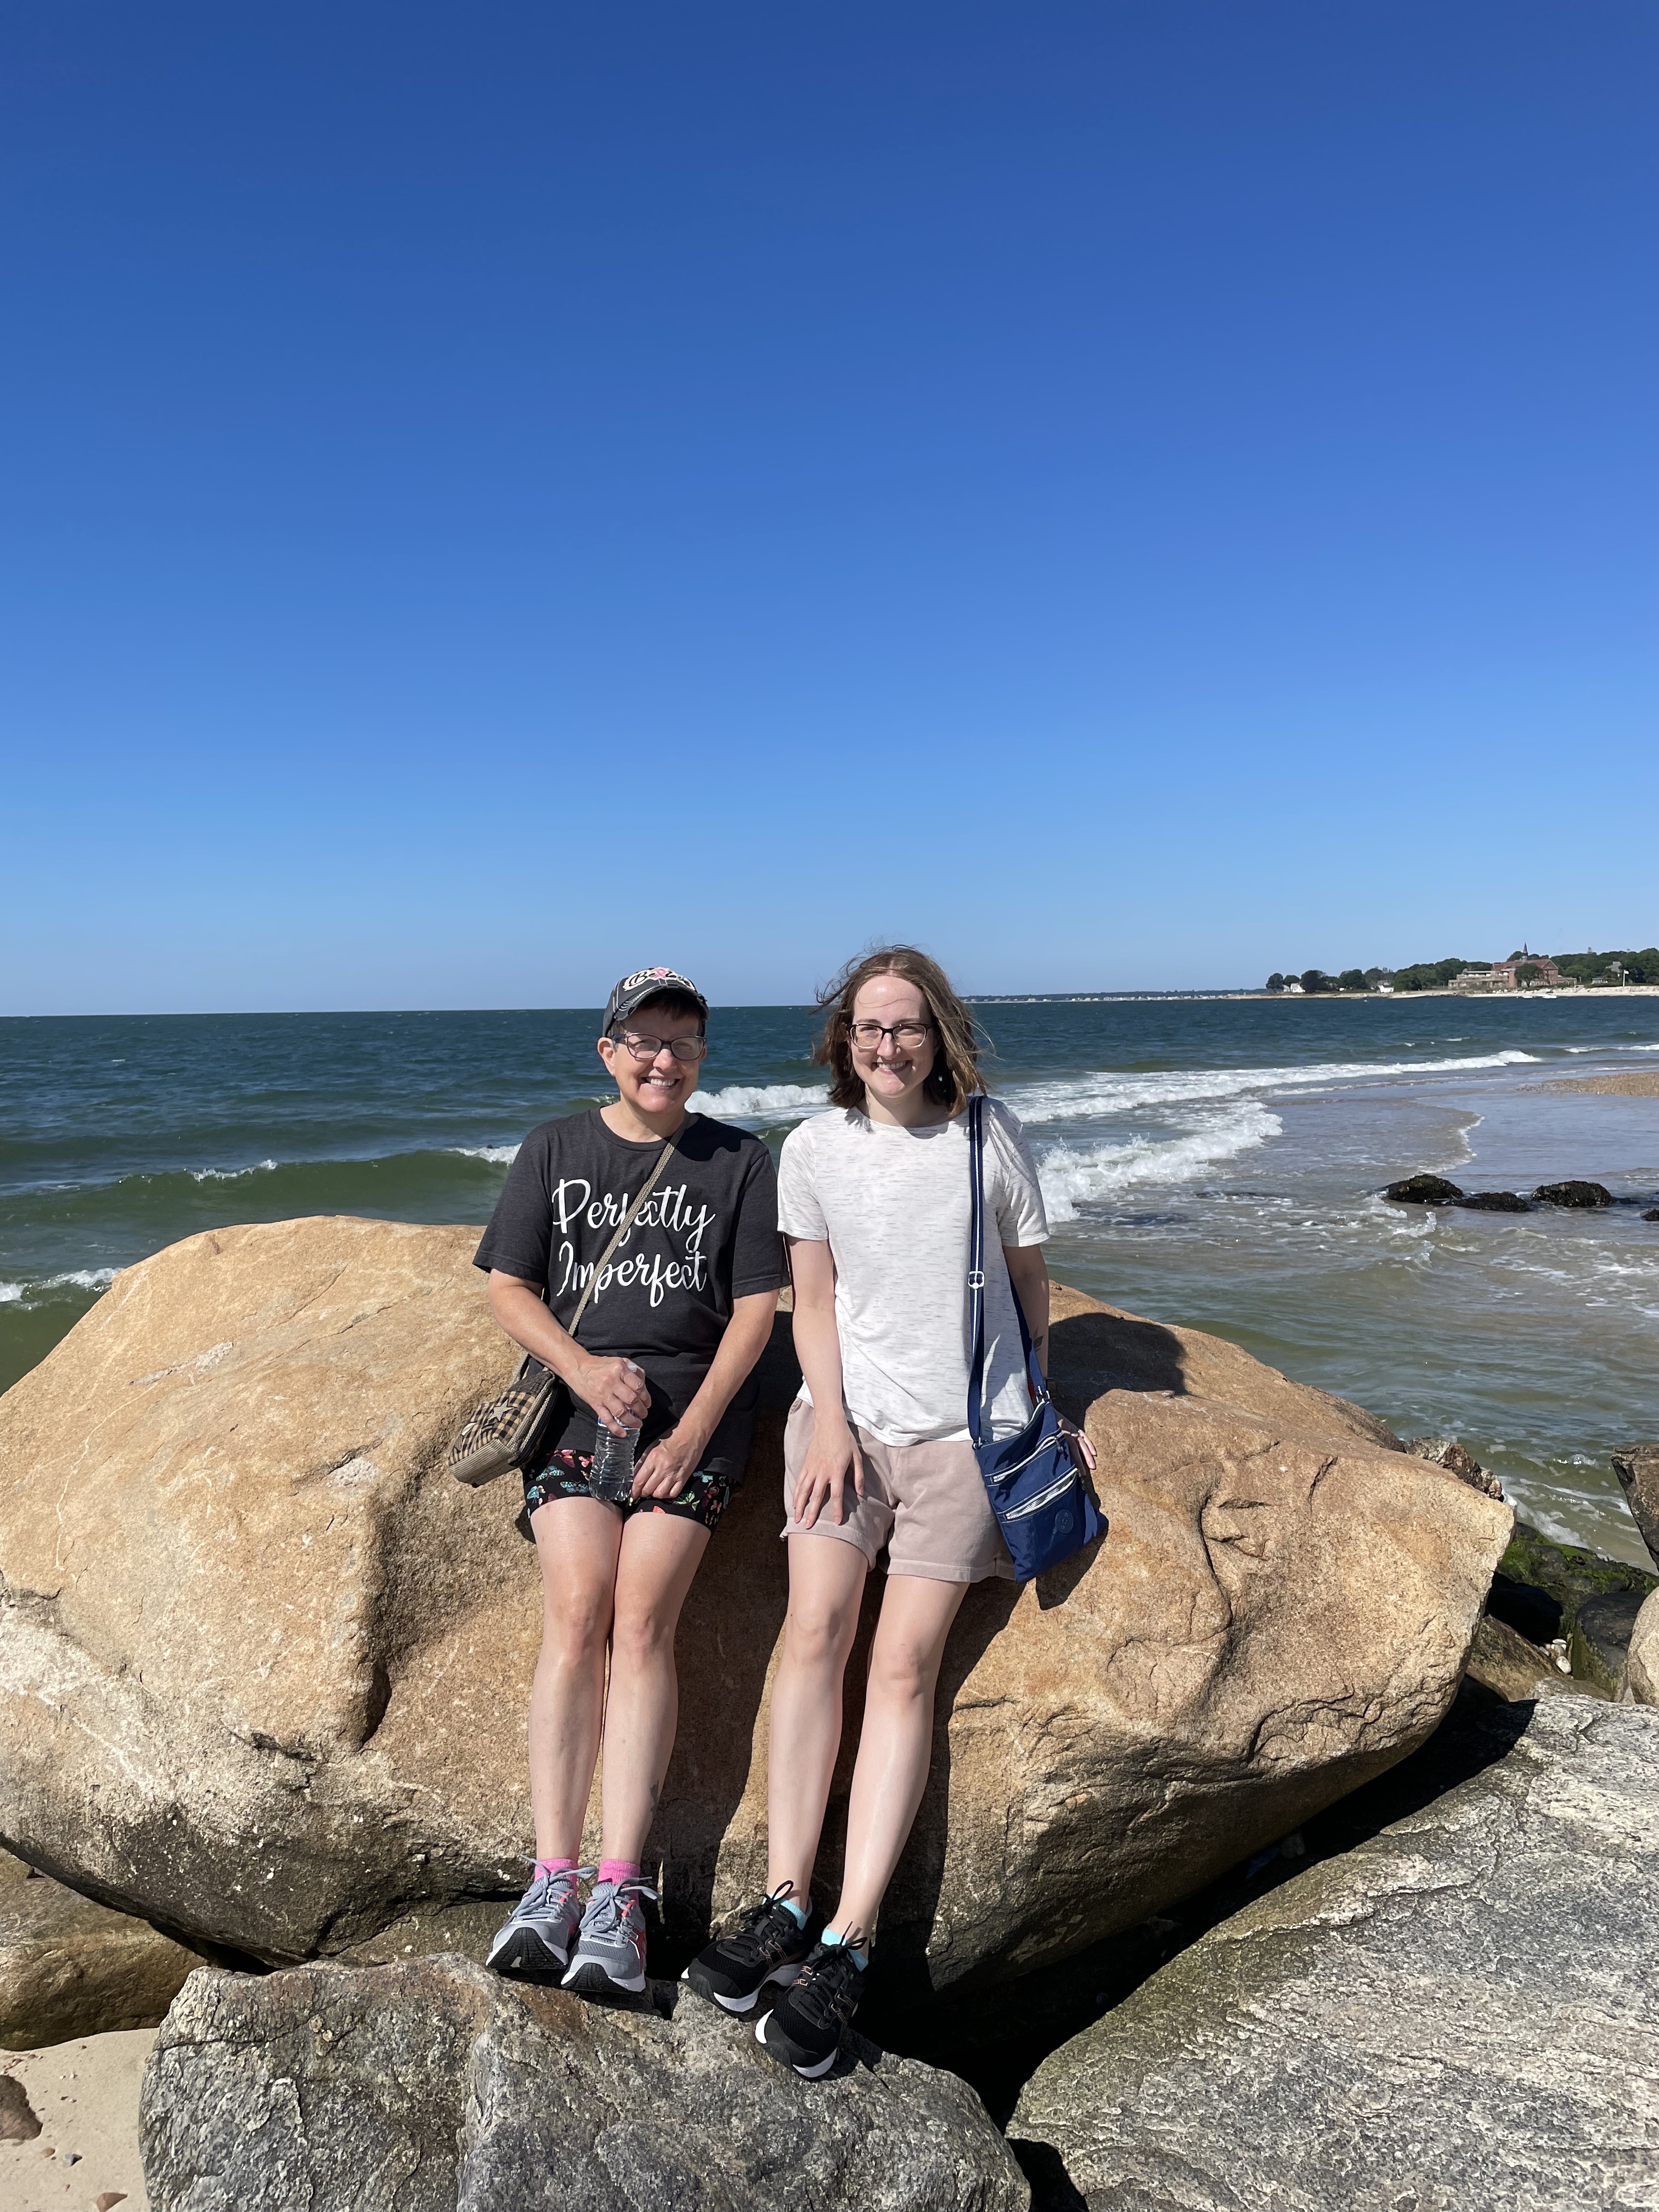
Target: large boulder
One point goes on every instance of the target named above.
(70, 1968)
(435, 2086)
(1638, 1470)
(1459, 2013)
(264, 1665)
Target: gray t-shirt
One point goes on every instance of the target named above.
(893, 1206)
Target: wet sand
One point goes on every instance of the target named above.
(85, 2095)
(1640, 1083)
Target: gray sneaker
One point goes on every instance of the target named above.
(610, 1958)
(536, 1935)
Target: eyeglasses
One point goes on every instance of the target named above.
(648, 1048)
(908, 1036)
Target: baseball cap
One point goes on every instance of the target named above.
(648, 983)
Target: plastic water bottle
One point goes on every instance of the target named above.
(613, 1477)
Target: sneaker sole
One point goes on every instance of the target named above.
(782, 1976)
(588, 1978)
(525, 1953)
(813, 2073)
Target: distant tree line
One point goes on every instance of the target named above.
(1434, 975)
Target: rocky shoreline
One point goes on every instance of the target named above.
(1316, 1715)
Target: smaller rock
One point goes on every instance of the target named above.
(1502, 1661)
(1638, 1470)
(1540, 1587)
(1495, 1202)
(1573, 1193)
(70, 1967)
(18, 2123)
(1652, 1214)
(108, 2199)
(1642, 1666)
(1600, 1642)
(1447, 1452)
(1423, 1190)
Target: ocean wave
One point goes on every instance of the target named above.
(230, 1175)
(1073, 1175)
(1089, 1097)
(754, 1101)
(498, 1156)
(30, 1294)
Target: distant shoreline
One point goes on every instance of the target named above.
(1582, 991)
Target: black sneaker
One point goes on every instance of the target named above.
(803, 2029)
(770, 1946)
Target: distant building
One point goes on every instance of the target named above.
(1506, 975)
(1292, 985)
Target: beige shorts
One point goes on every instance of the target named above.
(926, 1503)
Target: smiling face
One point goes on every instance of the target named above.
(655, 1088)
(892, 1073)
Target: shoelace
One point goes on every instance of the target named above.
(828, 1989)
(545, 1887)
(749, 1944)
(608, 1911)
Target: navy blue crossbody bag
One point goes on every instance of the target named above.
(1044, 1507)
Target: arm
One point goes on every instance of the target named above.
(818, 1346)
(614, 1389)
(668, 1465)
(1027, 1271)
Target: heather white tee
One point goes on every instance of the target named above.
(893, 1205)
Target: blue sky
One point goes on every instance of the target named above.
(1124, 494)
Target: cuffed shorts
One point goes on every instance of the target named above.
(925, 1503)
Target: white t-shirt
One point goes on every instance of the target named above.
(893, 1205)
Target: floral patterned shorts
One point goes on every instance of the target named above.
(703, 1499)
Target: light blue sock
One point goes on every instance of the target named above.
(798, 1910)
(834, 1935)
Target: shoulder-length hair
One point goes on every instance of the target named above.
(955, 1075)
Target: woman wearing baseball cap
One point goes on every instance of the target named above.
(678, 1309)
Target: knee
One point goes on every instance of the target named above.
(819, 1634)
(576, 1630)
(903, 1675)
(641, 1636)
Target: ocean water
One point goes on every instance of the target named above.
(1210, 1162)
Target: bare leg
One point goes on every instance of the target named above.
(660, 1553)
(826, 1588)
(577, 1540)
(896, 1746)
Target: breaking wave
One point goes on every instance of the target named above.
(1083, 1097)
(762, 1102)
(1074, 1175)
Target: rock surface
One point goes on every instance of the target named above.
(1495, 1202)
(1641, 1665)
(1638, 1470)
(1573, 1193)
(1502, 1661)
(433, 2085)
(1423, 1190)
(1447, 1452)
(1457, 2015)
(264, 1665)
(70, 1968)
(1540, 1587)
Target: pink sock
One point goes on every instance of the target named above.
(553, 1866)
(619, 1869)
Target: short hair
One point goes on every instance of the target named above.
(955, 1075)
(665, 1002)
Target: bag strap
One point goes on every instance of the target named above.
(622, 1228)
(977, 1284)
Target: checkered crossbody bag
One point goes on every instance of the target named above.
(502, 1434)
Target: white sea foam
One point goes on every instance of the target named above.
(497, 1155)
(28, 1295)
(231, 1175)
(1073, 1175)
(10, 1293)
(769, 1101)
(1088, 1097)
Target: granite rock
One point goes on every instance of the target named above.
(1638, 1470)
(435, 2086)
(1457, 2015)
(264, 1665)
(70, 1967)
(1641, 1663)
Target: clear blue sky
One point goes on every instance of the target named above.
(1123, 493)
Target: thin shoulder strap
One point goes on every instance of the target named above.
(977, 1283)
(622, 1228)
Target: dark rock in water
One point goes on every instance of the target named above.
(1599, 1645)
(1447, 1452)
(438, 2087)
(1652, 1214)
(1459, 2013)
(1423, 1190)
(1638, 1470)
(1573, 1193)
(1539, 1587)
(1495, 1202)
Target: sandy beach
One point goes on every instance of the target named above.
(1640, 1083)
(85, 2096)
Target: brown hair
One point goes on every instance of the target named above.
(955, 1075)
